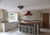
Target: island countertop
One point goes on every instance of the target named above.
(26, 23)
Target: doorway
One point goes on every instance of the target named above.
(45, 20)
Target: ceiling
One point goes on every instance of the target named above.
(12, 5)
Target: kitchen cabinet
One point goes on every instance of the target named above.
(3, 15)
(3, 18)
(0, 27)
(9, 26)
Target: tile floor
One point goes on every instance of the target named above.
(17, 32)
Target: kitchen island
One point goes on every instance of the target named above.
(29, 27)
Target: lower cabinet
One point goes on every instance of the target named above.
(8, 26)
(0, 27)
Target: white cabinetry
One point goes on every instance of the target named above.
(0, 27)
(3, 18)
(8, 26)
(3, 15)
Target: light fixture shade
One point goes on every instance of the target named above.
(20, 7)
(28, 13)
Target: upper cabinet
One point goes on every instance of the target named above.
(3, 15)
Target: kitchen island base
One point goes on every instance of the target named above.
(33, 28)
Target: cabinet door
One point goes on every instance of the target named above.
(0, 15)
(0, 27)
(5, 14)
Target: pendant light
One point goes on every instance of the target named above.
(28, 13)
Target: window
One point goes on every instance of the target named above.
(12, 17)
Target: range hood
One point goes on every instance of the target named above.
(28, 13)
